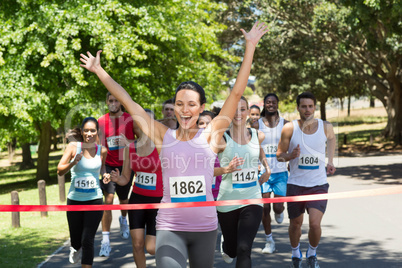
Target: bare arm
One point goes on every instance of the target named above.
(149, 126)
(124, 178)
(65, 165)
(220, 123)
(282, 154)
(263, 159)
(331, 143)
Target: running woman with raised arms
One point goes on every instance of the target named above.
(185, 233)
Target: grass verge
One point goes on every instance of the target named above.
(37, 237)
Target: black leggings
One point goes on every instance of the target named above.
(239, 228)
(83, 226)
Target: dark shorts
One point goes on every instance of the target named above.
(295, 209)
(112, 187)
(140, 218)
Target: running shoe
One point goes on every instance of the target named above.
(124, 229)
(297, 262)
(105, 249)
(279, 217)
(225, 256)
(269, 246)
(74, 255)
(312, 261)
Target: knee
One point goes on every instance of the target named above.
(278, 208)
(266, 209)
(295, 224)
(243, 249)
(315, 226)
(138, 246)
(88, 242)
(109, 198)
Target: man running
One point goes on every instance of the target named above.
(271, 125)
(116, 131)
(304, 143)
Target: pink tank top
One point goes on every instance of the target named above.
(187, 171)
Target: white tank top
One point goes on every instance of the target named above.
(308, 169)
(270, 145)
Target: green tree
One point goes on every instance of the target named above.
(148, 46)
(335, 49)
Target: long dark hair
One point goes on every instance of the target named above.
(75, 134)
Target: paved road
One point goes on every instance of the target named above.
(357, 232)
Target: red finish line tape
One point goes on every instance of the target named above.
(300, 198)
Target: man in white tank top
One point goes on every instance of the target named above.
(304, 143)
(271, 125)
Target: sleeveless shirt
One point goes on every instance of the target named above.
(188, 171)
(241, 184)
(85, 183)
(270, 145)
(308, 169)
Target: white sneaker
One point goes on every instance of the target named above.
(279, 217)
(74, 255)
(105, 249)
(269, 247)
(225, 256)
(124, 229)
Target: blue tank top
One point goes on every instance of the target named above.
(85, 183)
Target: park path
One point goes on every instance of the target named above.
(357, 232)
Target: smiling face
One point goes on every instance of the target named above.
(306, 109)
(89, 132)
(271, 105)
(188, 108)
(240, 117)
(254, 114)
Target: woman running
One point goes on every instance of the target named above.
(187, 158)
(240, 223)
(142, 157)
(86, 160)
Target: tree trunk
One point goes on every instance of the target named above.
(372, 102)
(11, 149)
(322, 109)
(349, 100)
(341, 101)
(393, 130)
(27, 161)
(42, 171)
(54, 139)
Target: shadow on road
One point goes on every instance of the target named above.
(383, 174)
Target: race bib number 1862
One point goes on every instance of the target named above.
(187, 189)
